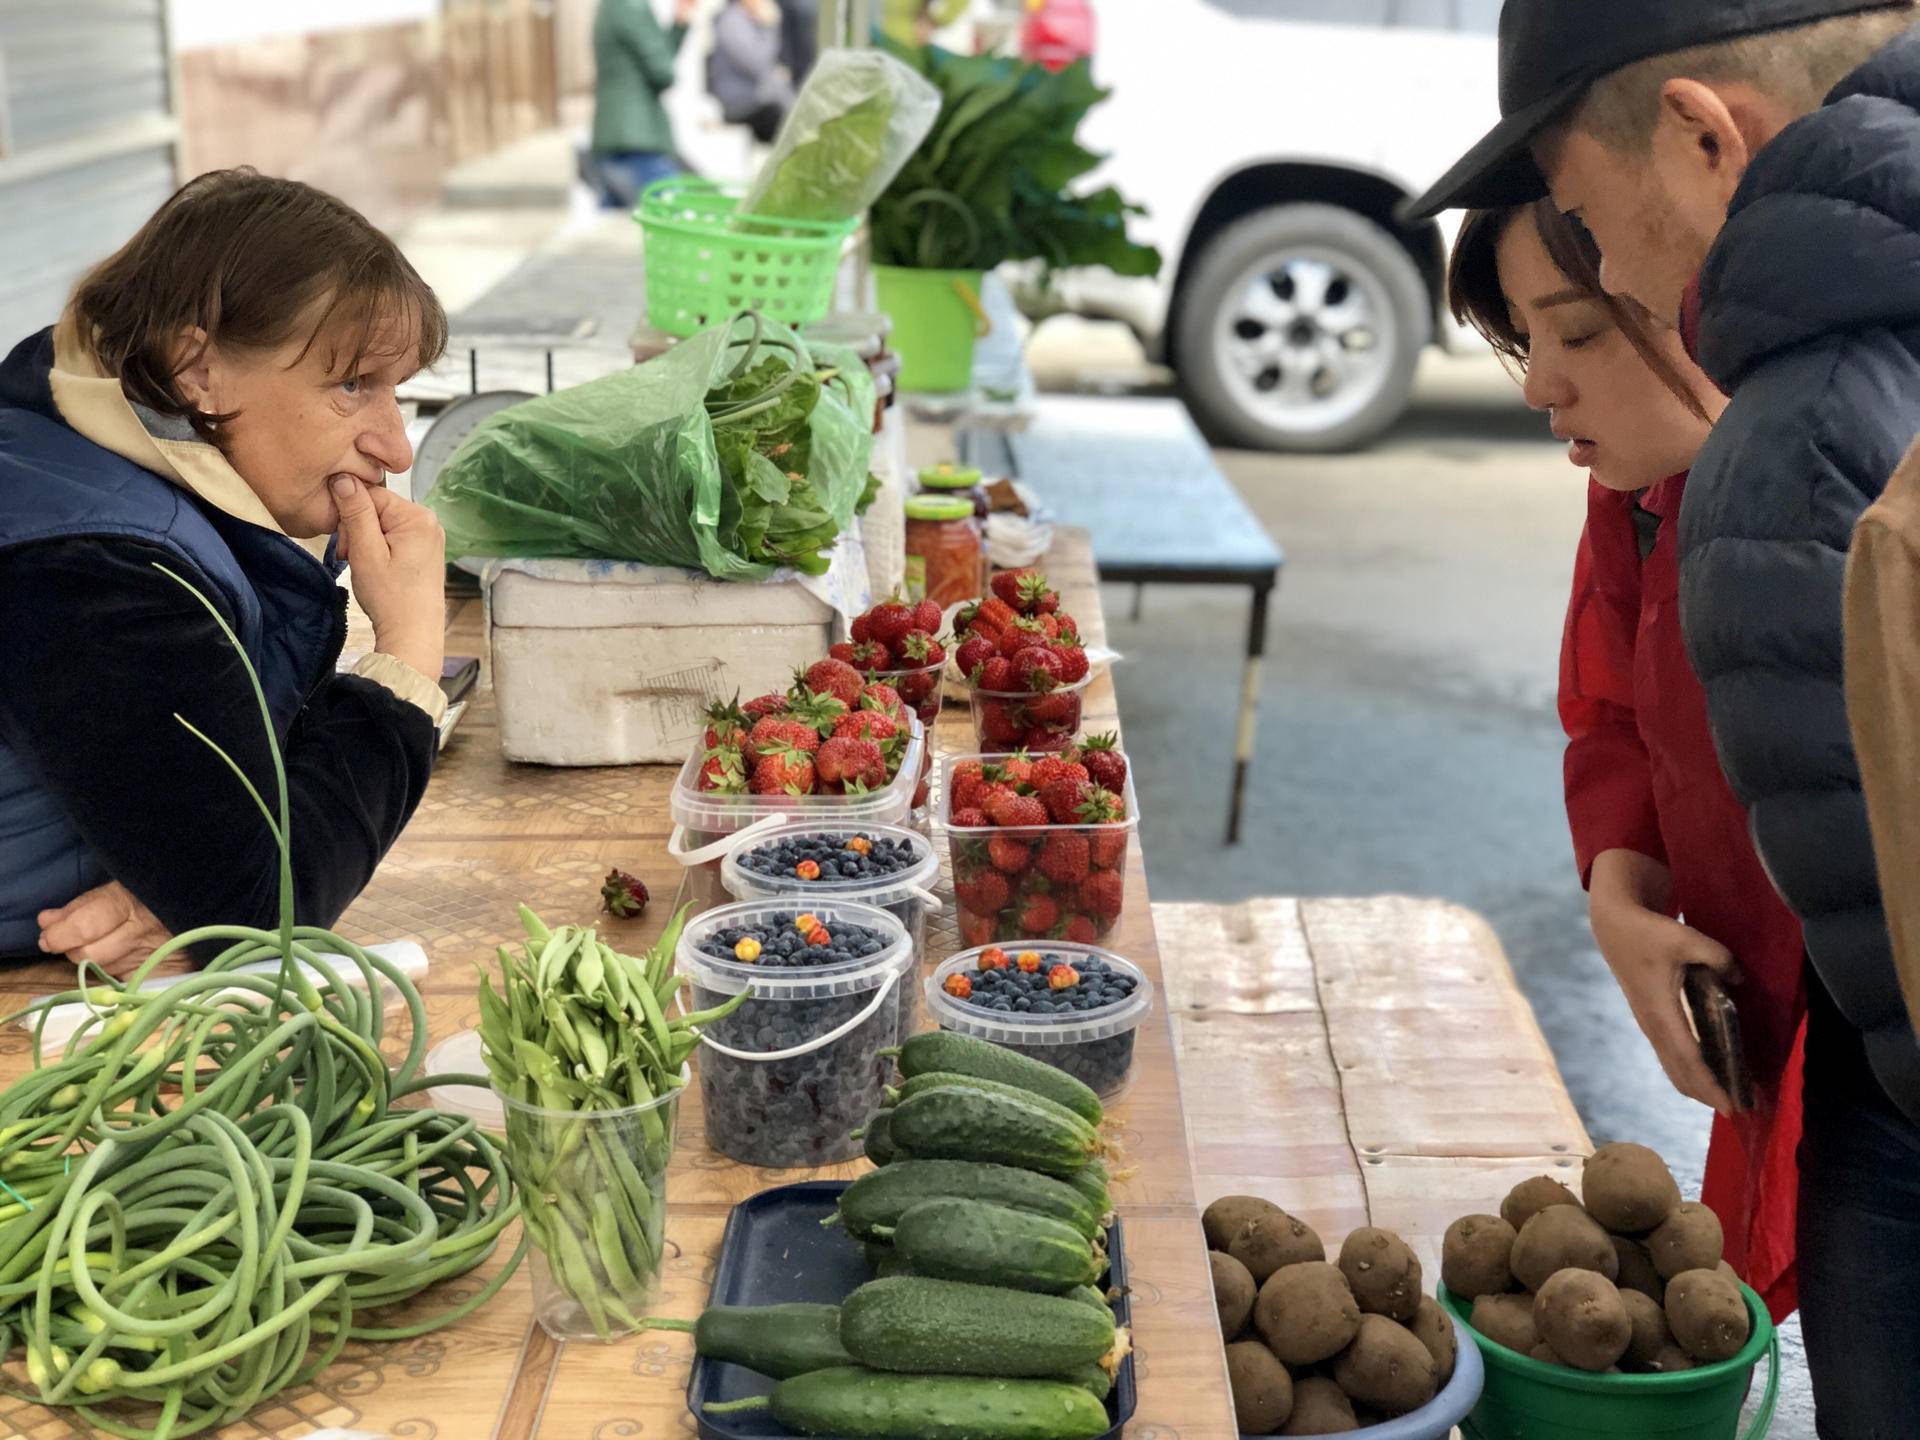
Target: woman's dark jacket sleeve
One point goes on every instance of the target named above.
(101, 652)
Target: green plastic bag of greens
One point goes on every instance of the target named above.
(741, 451)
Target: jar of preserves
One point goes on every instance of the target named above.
(958, 482)
(946, 551)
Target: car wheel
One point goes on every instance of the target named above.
(1299, 329)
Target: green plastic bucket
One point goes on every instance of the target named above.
(936, 318)
(1526, 1399)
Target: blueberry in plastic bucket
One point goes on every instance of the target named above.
(789, 1076)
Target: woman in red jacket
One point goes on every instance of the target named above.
(1662, 844)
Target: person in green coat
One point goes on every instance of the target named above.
(634, 62)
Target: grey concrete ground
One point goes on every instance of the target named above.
(1408, 740)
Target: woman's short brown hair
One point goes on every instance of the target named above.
(250, 260)
(1476, 297)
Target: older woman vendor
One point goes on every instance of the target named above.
(218, 400)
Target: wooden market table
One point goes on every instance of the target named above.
(489, 836)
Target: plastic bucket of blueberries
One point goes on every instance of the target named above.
(897, 872)
(1084, 1025)
(788, 1077)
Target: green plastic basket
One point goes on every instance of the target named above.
(705, 265)
(1526, 1399)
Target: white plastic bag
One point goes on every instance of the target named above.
(856, 122)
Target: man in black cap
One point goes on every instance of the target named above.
(1751, 171)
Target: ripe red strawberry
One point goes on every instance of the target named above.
(882, 697)
(1047, 604)
(889, 621)
(1103, 896)
(921, 792)
(1009, 854)
(1079, 930)
(974, 653)
(727, 724)
(1108, 848)
(917, 689)
(865, 725)
(1100, 806)
(1001, 723)
(995, 615)
(762, 706)
(1050, 768)
(864, 656)
(919, 648)
(836, 678)
(845, 760)
(1038, 668)
(1065, 858)
(976, 930)
(1019, 636)
(1038, 915)
(779, 730)
(862, 628)
(784, 770)
(996, 677)
(724, 771)
(1073, 663)
(970, 818)
(1013, 811)
(967, 786)
(843, 651)
(1059, 710)
(1106, 766)
(1062, 798)
(985, 894)
(927, 616)
(1044, 740)
(1016, 770)
(1022, 589)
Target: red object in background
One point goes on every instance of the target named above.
(1641, 774)
(1057, 33)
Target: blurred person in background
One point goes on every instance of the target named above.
(633, 57)
(747, 72)
(799, 37)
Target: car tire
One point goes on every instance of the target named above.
(1300, 329)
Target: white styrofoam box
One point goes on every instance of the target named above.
(605, 663)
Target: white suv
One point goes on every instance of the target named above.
(1271, 142)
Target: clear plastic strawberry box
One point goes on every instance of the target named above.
(706, 824)
(1038, 722)
(1035, 882)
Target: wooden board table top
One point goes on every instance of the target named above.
(491, 835)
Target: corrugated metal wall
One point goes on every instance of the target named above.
(87, 143)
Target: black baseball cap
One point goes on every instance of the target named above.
(1552, 50)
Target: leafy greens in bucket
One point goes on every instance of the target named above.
(991, 181)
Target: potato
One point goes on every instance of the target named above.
(1233, 1293)
(1506, 1320)
(1581, 1316)
(1383, 1273)
(1433, 1328)
(1546, 1355)
(1690, 1239)
(1476, 1256)
(1651, 1333)
(1268, 1243)
(1530, 1197)
(1262, 1389)
(1320, 1407)
(1628, 1189)
(1729, 1273)
(1307, 1313)
(1636, 1270)
(1670, 1359)
(1386, 1368)
(1562, 1237)
(1228, 1216)
(1708, 1315)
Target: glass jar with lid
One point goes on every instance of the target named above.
(946, 550)
(959, 482)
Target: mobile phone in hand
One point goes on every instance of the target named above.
(1716, 1023)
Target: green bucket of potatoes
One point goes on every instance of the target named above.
(1675, 1316)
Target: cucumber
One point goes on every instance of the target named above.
(877, 1138)
(951, 1124)
(1091, 1378)
(884, 1263)
(992, 1245)
(1095, 1183)
(945, 1327)
(778, 1341)
(875, 1405)
(946, 1052)
(877, 1201)
(939, 1079)
(1087, 1295)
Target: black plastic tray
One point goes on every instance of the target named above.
(776, 1252)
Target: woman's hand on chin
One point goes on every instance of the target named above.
(109, 927)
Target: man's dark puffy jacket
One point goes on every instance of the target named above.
(1810, 319)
